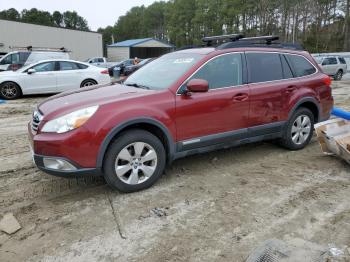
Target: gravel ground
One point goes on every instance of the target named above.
(213, 207)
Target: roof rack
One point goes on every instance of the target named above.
(210, 39)
(34, 48)
(260, 41)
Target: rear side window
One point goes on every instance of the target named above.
(64, 66)
(329, 61)
(342, 60)
(263, 67)
(222, 71)
(300, 65)
(81, 66)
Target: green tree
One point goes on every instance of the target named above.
(57, 18)
(10, 14)
(74, 21)
(36, 16)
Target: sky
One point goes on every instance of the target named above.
(97, 13)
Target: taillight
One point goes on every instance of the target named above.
(327, 81)
(105, 72)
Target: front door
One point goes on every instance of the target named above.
(42, 80)
(203, 119)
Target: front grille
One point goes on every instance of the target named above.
(37, 117)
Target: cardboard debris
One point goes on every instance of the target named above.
(334, 137)
(9, 224)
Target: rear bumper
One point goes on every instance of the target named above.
(78, 172)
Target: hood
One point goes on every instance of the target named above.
(67, 102)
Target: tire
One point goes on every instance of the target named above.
(88, 82)
(338, 76)
(10, 91)
(297, 133)
(130, 152)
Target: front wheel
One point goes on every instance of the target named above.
(10, 91)
(299, 130)
(134, 161)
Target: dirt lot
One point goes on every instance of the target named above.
(213, 207)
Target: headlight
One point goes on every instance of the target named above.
(70, 121)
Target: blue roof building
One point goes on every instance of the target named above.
(141, 48)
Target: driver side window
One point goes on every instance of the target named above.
(44, 67)
(222, 71)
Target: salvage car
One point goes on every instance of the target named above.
(183, 103)
(128, 70)
(50, 76)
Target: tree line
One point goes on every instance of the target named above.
(320, 25)
(66, 19)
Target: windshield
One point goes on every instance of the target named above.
(164, 71)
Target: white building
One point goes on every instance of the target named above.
(82, 44)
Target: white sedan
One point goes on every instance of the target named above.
(50, 76)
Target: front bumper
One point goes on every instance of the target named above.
(77, 172)
(65, 155)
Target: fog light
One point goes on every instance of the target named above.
(58, 164)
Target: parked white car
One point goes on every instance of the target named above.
(50, 76)
(100, 62)
(334, 66)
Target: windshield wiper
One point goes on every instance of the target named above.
(137, 85)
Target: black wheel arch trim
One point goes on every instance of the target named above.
(88, 79)
(144, 120)
(307, 100)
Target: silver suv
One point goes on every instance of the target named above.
(334, 66)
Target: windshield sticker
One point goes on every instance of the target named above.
(183, 60)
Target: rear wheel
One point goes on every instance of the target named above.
(134, 161)
(339, 75)
(88, 82)
(299, 129)
(10, 90)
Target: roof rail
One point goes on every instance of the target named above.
(34, 48)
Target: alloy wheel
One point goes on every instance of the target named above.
(9, 90)
(136, 163)
(301, 129)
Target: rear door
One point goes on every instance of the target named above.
(267, 83)
(43, 80)
(69, 76)
(219, 115)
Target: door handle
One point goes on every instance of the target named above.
(240, 97)
(290, 89)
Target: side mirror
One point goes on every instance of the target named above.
(31, 71)
(198, 86)
(90, 62)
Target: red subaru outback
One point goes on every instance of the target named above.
(183, 103)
